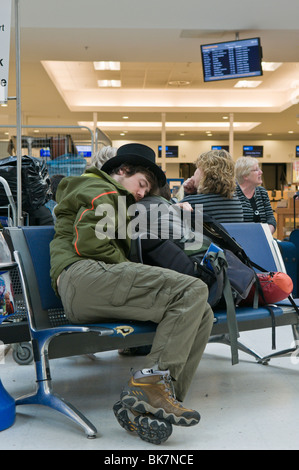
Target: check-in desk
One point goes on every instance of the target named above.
(285, 218)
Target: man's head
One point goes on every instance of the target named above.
(136, 179)
(136, 155)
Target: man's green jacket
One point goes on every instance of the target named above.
(89, 208)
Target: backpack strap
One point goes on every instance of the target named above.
(219, 264)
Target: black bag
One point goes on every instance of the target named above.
(217, 233)
(230, 280)
(167, 254)
(164, 253)
(35, 181)
(240, 275)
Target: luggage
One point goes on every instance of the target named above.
(227, 264)
(35, 181)
(274, 287)
(62, 145)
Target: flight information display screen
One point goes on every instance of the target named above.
(171, 151)
(253, 151)
(232, 59)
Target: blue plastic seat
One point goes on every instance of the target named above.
(47, 321)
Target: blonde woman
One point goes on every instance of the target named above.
(213, 185)
(253, 197)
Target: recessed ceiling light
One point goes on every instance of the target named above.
(106, 65)
(109, 83)
(290, 132)
(247, 83)
(224, 117)
(270, 66)
(269, 133)
(125, 117)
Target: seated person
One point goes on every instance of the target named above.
(40, 216)
(102, 155)
(84, 259)
(213, 185)
(160, 218)
(54, 182)
(253, 197)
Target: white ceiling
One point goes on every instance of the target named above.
(157, 42)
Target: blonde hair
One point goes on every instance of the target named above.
(243, 167)
(102, 155)
(218, 173)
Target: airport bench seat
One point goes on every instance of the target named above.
(52, 336)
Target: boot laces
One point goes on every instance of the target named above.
(170, 388)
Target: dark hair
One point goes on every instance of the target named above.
(131, 170)
(54, 182)
(164, 192)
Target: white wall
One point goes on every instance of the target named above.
(275, 151)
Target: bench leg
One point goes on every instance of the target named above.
(224, 339)
(44, 396)
(291, 352)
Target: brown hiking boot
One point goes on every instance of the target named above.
(151, 391)
(148, 427)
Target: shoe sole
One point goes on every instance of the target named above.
(122, 416)
(148, 428)
(142, 407)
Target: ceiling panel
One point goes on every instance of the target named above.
(158, 45)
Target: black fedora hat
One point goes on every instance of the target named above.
(138, 155)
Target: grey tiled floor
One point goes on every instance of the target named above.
(246, 406)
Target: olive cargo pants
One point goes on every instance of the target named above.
(92, 291)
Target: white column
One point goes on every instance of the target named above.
(95, 143)
(19, 116)
(163, 142)
(231, 134)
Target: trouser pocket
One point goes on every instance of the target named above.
(135, 287)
